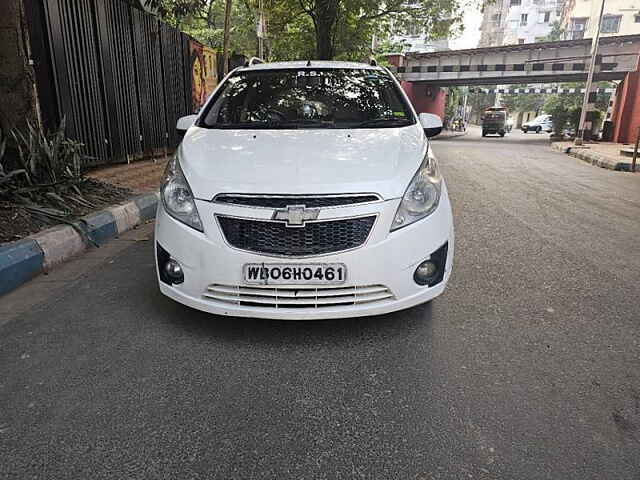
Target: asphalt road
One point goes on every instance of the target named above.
(527, 368)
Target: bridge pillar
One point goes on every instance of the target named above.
(426, 98)
(626, 110)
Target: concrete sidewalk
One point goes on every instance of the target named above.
(603, 154)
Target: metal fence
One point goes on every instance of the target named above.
(121, 77)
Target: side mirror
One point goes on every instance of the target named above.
(185, 122)
(431, 124)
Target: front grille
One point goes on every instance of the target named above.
(303, 297)
(315, 238)
(282, 201)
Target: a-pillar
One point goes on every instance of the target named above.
(626, 110)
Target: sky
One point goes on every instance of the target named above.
(471, 35)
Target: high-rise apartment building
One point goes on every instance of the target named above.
(580, 18)
(510, 22)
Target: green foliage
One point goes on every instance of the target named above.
(556, 33)
(564, 109)
(454, 96)
(529, 102)
(310, 29)
(48, 179)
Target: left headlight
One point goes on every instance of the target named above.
(423, 195)
(177, 197)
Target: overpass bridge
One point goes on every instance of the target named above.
(423, 75)
(565, 61)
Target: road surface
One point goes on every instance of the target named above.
(527, 368)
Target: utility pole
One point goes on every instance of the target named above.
(592, 67)
(225, 48)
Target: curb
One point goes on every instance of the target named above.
(447, 136)
(594, 158)
(22, 260)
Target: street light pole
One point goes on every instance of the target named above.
(225, 45)
(592, 67)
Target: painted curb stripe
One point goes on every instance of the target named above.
(19, 262)
(147, 204)
(99, 227)
(22, 260)
(59, 244)
(126, 216)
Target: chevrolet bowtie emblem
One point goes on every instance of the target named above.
(296, 215)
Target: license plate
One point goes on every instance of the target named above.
(295, 273)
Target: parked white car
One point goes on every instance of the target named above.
(542, 123)
(305, 191)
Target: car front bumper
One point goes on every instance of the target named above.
(386, 260)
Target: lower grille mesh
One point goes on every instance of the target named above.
(315, 238)
(297, 297)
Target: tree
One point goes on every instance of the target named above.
(528, 102)
(566, 108)
(175, 11)
(556, 33)
(308, 29)
(331, 18)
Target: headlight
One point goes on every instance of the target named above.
(177, 198)
(422, 196)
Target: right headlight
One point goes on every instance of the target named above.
(422, 196)
(177, 197)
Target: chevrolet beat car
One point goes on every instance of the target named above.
(305, 190)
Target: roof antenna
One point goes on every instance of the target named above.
(309, 63)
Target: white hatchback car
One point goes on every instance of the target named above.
(305, 190)
(542, 123)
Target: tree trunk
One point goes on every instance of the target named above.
(325, 17)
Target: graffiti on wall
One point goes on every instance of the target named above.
(204, 73)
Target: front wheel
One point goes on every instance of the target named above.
(484, 134)
(502, 134)
(538, 130)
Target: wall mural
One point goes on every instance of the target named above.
(204, 73)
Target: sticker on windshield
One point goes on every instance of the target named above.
(399, 114)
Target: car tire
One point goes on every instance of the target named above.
(502, 134)
(538, 130)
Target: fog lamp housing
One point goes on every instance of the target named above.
(169, 269)
(173, 270)
(425, 272)
(431, 271)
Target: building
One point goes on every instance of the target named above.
(413, 38)
(580, 18)
(491, 28)
(510, 22)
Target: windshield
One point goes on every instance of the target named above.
(495, 115)
(307, 98)
(542, 118)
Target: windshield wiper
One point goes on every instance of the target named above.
(384, 122)
(272, 125)
(302, 122)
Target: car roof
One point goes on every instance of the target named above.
(309, 64)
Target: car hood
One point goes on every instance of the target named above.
(306, 161)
